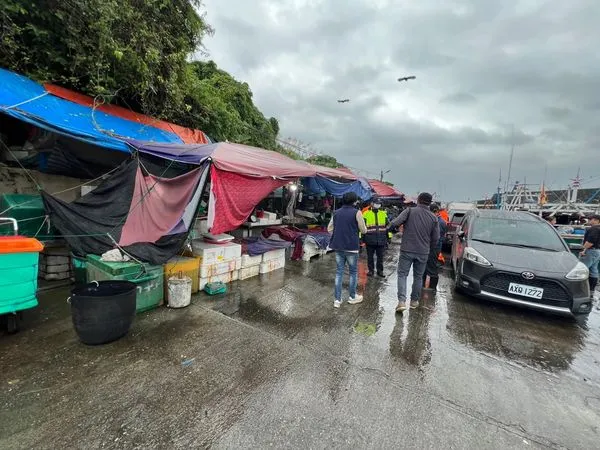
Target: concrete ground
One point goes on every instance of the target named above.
(273, 364)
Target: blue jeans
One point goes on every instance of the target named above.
(341, 258)
(591, 260)
(418, 263)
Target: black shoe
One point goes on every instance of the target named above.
(370, 274)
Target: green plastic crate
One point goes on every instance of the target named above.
(24, 207)
(18, 281)
(79, 266)
(149, 279)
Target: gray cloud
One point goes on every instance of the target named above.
(489, 76)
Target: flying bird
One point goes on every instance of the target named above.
(412, 77)
(346, 100)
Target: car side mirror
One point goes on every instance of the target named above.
(460, 234)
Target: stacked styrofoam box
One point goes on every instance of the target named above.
(55, 264)
(273, 260)
(218, 262)
(310, 249)
(250, 266)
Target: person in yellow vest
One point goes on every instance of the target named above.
(377, 236)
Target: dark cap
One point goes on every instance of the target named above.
(425, 198)
(434, 208)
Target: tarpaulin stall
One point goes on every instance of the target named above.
(385, 191)
(241, 176)
(85, 138)
(147, 216)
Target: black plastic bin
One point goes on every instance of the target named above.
(103, 311)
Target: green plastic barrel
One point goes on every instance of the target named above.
(148, 279)
(18, 281)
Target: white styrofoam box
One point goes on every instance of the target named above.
(310, 249)
(54, 276)
(274, 254)
(54, 269)
(53, 260)
(271, 265)
(209, 270)
(232, 251)
(208, 253)
(249, 272)
(224, 278)
(56, 251)
(271, 216)
(250, 261)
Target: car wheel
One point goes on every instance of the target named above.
(457, 287)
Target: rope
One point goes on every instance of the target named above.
(6, 108)
(40, 228)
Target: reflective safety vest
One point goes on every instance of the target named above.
(376, 228)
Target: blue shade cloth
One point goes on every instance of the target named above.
(258, 245)
(319, 185)
(26, 100)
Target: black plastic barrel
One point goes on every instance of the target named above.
(103, 311)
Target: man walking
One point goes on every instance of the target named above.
(433, 262)
(421, 235)
(590, 255)
(345, 225)
(376, 238)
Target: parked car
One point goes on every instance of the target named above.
(456, 212)
(518, 258)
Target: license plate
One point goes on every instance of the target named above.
(525, 291)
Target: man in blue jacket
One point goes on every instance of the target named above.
(346, 224)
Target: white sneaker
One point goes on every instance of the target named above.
(337, 303)
(357, 299)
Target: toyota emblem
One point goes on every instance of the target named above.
(528, 275)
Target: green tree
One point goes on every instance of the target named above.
(325, 161)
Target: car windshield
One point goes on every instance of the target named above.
(525, 233)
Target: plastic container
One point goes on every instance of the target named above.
(189, 266)
(180, 291)
(215, 288)
(28, 210)
(103, 311)
(79, 267)
(19, 260)
(148, 279)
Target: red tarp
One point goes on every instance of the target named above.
(187, 135)
(383, 190)
(235, 197)
(157, 206)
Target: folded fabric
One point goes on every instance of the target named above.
(258, 245)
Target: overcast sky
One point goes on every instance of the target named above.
(482, 68)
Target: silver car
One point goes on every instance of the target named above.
(518, 258)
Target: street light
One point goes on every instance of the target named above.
(382, 174)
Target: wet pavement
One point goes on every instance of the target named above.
(273, 364)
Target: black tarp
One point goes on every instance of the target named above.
(88, 223)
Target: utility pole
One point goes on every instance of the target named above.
(382, 174)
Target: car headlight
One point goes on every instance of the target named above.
(579, 272)
(474, 256)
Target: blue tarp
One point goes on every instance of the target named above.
(27, 100)
(320, 185)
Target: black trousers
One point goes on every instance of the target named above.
(373, 250)
(433, 265)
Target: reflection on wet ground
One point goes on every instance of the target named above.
(272, 363)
